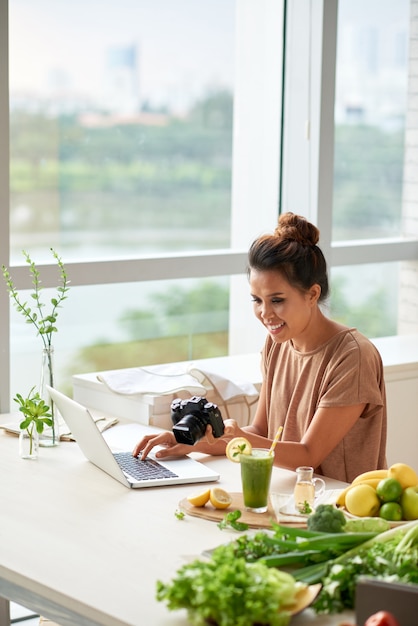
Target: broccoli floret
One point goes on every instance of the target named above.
(326, 519)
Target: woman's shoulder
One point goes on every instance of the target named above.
(351, 339)
(354, 336)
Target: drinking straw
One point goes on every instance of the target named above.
(276, 439)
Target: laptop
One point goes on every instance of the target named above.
(121, 465)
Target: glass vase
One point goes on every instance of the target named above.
(50, 435)
(29, 443)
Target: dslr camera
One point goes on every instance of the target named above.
(191, 417)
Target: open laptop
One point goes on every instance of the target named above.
(123, 466)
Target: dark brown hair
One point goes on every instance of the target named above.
(293, 251)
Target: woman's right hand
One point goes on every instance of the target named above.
(166, 439)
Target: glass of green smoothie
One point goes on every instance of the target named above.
(255, 477)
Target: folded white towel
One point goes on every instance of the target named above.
(173, 378)
(154, 380)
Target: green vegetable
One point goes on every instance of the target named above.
(291, 546)
(367, 524)
(327, 519)
(230, 592)
(409, 542)
(179, 514)
(391, 555)
(231, 521)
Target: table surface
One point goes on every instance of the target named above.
(82, 549)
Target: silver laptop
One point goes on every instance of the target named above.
(122, 466)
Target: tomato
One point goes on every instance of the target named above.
(382, 618)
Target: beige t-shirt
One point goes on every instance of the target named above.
(345, 370)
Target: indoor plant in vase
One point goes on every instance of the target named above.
(37, 414)
(45, 325)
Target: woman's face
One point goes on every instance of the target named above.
(285, 311)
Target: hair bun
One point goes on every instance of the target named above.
(296, 228)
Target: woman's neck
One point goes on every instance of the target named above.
(318, 332)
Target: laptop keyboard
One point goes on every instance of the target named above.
(142, 470)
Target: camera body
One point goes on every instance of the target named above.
(190, 418)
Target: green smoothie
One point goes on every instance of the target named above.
(255, 476)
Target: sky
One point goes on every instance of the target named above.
(185, 45)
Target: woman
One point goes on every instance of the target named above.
(322, 381)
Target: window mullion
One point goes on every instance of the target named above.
(4, 205)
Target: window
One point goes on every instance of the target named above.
(122, 160)
(347, 133)
(151, 170)
(120, 126)
(370, 115)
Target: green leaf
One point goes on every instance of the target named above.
(39, 426)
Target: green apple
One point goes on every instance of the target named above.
(409, 503)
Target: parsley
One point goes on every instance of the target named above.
(231, 521)
(306, 508)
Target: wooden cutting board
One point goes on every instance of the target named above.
(254, 520)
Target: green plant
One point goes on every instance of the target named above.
(36, 413)
(44, 324)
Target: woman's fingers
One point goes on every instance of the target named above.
(148, 442)
(230, 428)
(141, 444)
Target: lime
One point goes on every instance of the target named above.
(391, 511)
(389, 489)
(236, 447)
(199, 499)
(220, 498)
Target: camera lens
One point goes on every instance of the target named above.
(189, 429)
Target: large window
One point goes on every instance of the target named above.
(121, 129)
(152, 140)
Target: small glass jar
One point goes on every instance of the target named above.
(29, 443)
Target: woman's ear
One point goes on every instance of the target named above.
(314, 293)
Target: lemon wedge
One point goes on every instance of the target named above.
(199, 499)
(236, 447)
(220, 498)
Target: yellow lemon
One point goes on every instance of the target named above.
(236, 447)
(199, 499)
(220, 498)
(362, 501)
(405, 474)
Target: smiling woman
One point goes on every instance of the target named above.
(322, 383)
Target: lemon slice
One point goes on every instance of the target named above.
(199, 499)
(236, 447)
(220, 498)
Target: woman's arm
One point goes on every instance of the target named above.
(327, 428)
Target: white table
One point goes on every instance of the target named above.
(81, 549)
